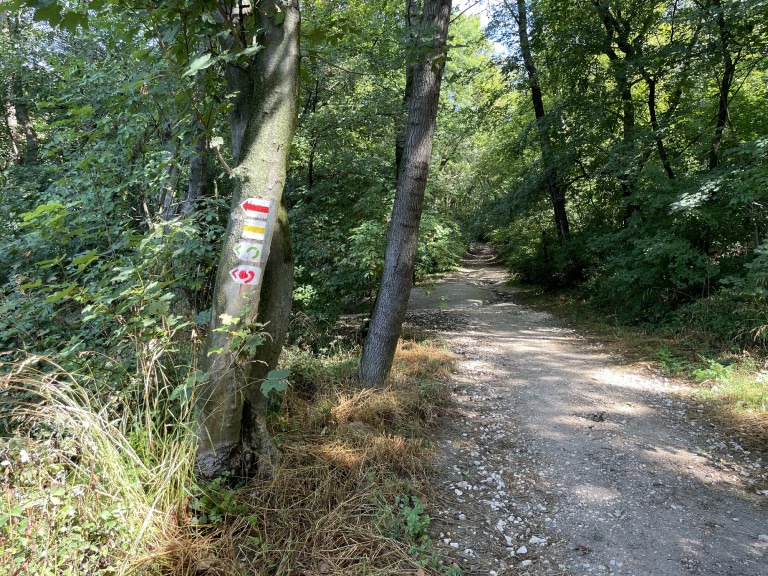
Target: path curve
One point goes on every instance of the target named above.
(559, 460)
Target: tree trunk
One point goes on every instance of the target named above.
(32, 153)
(167, 204)
(724, 89)
(403, 235)
(12, 122)
(233, 436)
(11, 115)
(651, 82)
(556, 192)
(411, 13)
(198, 176)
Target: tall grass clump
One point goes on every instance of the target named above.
(99, 480)
(83, 491)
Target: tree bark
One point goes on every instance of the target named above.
(167, 204)
(12, 122)
(402, 238)
(198, 176)
(724, 87)
(651, 82)
(411, 14)
(16, 114)
(32, 153)
(555, 188)
(232, 434)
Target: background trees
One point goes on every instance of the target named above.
(652, 169)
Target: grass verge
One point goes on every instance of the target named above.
(348, 495)
(83, 492)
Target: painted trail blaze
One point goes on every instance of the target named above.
(248, 275)
(250, 207)
(257, 208)
(250, 252)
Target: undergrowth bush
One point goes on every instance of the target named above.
(98, 483)
(86, 490)
(352, 461)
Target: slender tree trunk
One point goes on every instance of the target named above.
(403, 236)
(233, 436)
(411, 14)
(724, 89)
(32, 153)
(12, 122)
(618, 31)
(651, 82)
(167, 204)
(556, 192)
(11, 114)
(198, 176)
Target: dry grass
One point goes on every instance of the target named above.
(78, 496)
(348, 457)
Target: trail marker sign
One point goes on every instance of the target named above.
(250, 252)
(253, 246)
(248, 275)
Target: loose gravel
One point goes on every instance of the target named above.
(561, 460)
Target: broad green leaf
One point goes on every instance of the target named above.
(56, 296)
(268, 385)
(251, 50)
(199, 63)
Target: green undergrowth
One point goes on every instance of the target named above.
(89, 484)
(94, 483)
(725, 374)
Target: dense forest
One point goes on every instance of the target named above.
(614, 148)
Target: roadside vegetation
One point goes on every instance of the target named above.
(91, 485)
(612, 151)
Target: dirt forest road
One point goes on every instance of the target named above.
(561, 460)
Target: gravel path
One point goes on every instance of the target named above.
(559, 460)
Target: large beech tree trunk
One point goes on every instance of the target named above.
(402, 239)
(233, 436)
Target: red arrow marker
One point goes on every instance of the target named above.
(248, 207)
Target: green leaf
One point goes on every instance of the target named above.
(268, 385)
(56, 296)
(50, 13)
(72, 20)
(83, 260)
(276, 380)
(199, 63)
(202, 318)
(251, 50)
